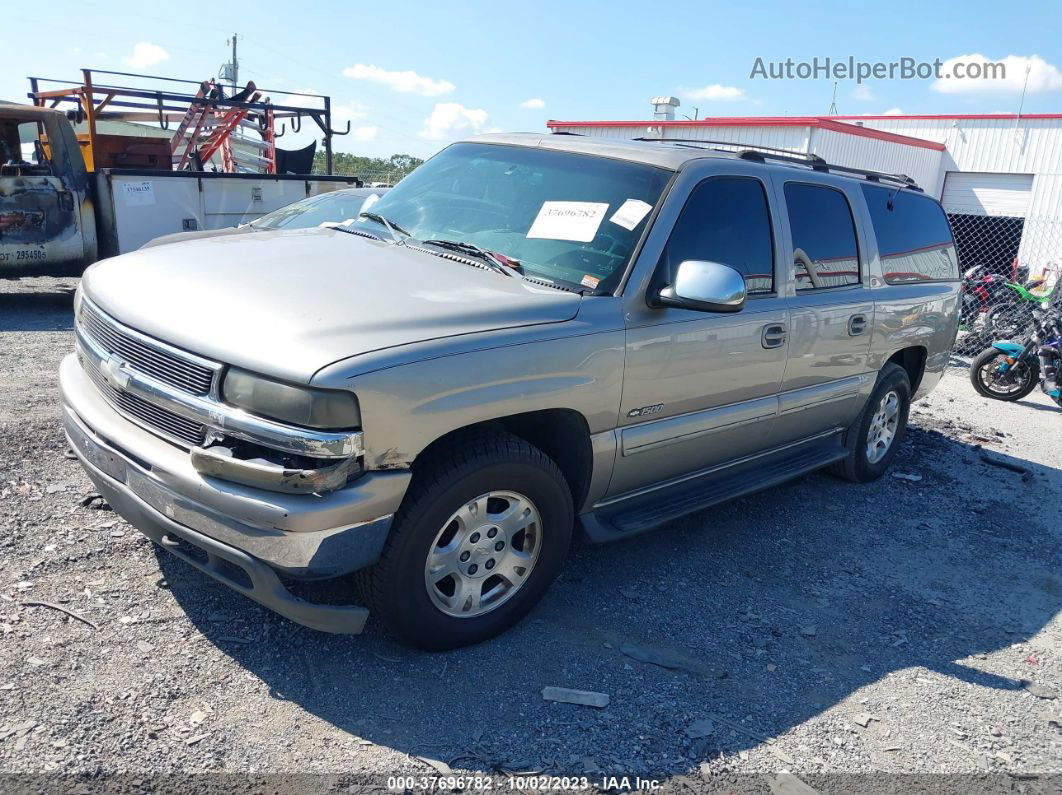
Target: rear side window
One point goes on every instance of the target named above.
(726, 220)
(914, 239)
(825, 252)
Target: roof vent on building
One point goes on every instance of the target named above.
(664, 108)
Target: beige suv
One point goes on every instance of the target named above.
(529, 334)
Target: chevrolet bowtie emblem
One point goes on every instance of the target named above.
(113, 369)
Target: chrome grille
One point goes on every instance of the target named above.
(186, 375)
(165, 422)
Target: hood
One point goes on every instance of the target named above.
(287, 303)
(199, 234)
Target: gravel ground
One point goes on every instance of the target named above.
(831, 630)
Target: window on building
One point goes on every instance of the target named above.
(914, 239)
(727, 220)
(825, 251)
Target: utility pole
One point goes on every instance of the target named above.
(235, 66)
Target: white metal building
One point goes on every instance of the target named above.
(998, 176)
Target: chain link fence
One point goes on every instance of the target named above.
(1009, 266)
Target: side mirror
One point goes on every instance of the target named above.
(704, 286)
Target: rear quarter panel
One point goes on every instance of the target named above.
(910, 315)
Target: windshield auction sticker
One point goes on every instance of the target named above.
(578, 221)
(631, 213)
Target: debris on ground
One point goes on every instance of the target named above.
(662, 657)
(910, 477)
(584, 698)
(1003, 463)
(700, 729)
(864, 719)
(439, 766)
(61, 609)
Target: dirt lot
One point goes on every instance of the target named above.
(823, 628)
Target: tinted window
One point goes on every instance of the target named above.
(726, 220)
(825, 253)
(914, 239)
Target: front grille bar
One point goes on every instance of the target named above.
(162, 362)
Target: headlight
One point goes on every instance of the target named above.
(299, 405)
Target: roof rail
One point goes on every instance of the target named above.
(803, 158)
(761, 154)
(741, 146)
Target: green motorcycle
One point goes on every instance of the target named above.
(1010, 319)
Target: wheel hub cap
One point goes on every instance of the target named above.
(883, 427)
(483, 554)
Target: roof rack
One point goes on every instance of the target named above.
(761, 154)
(91, 100)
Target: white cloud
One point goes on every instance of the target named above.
(146, 54)
(340, 110)
(893, 112)
(408, 82)
(864, 93)
(1042, 75)
(349, 110)
(366, 133)
(533, 104)
(450, 120)
(716, 93)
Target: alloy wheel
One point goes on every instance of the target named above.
(484, 554)
(883, 427)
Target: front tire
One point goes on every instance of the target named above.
(984, 368)
(875, 436)
(479, 538)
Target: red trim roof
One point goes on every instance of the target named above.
(822, 122)
(949, 116)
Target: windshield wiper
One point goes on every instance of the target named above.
(392, 227)
(488, 257)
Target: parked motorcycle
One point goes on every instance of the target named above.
(1010, 370)
(1010, 318)
(981, 289)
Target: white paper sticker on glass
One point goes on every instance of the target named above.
(577, 221)
(631, 213)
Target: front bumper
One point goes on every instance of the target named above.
(153, 485)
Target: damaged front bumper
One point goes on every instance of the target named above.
(240, 535)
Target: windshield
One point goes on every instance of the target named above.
(334, 207)
(565, 217)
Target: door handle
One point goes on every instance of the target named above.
(857, 324)
(773, 335)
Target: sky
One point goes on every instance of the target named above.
(412, 76)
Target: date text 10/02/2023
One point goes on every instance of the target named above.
(523, 783)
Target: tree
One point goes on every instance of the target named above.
(369, 169)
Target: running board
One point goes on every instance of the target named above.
(643, 512)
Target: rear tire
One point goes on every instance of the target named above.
(981, 365)
(436, 585)
(876, 434)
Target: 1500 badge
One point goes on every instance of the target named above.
(645, 411)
